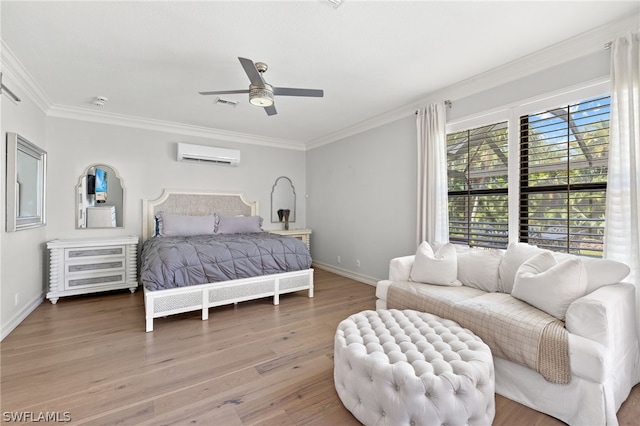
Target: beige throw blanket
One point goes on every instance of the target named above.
(513, 329)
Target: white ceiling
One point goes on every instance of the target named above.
(150, 59)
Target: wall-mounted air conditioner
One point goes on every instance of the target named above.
(208, 154)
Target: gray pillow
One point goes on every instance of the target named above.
(238, 224)
(175, 225)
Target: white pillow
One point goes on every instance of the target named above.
(479, 269)
(550, 286)
(599, 271)
(516, 255)
(439, 268)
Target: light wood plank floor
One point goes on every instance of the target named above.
(253, 363)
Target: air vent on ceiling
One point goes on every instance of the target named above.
(225, 102)
(334, 3)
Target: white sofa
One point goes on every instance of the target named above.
(604, 354)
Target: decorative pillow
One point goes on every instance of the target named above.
(550, 286)
(516, 255)
(439, 268)
(479, 269)
(238, 224)
(599, 271)
(175, 225)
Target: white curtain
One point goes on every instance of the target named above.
(622, 227)
(433, 212)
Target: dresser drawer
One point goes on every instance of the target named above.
(102, 265)
(89, 252)
(94, 280)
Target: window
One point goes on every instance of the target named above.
(563, 177)
(477, 164)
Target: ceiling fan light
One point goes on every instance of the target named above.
(260, 96)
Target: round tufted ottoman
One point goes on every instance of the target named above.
(406, 367)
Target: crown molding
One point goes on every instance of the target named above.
(22, 80)
(83, 114)
(581, 45)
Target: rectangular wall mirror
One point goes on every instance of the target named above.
(26, 174)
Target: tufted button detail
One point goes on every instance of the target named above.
(384, 414)
(412, 423)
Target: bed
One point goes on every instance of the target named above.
(164, 301)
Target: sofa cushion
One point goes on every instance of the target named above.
(599, 271)
(548, 285)
(516, 255)
(439, 268)
(479, 269)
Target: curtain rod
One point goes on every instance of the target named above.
(447, 103)
(6, 89)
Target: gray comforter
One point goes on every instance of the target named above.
(169, 262)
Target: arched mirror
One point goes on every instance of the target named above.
(283, 201)
(99, 198)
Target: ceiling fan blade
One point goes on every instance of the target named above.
(288, 91)
(225, 92)
(271, 110)
(252, 72)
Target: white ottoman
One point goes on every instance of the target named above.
(406, 367)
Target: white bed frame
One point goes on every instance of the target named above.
(161, 303)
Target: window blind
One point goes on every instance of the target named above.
(477, 183)
(563, 177)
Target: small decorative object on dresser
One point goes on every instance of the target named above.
(89, 265)
(301, 234)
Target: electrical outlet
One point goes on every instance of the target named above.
(358, 263)
(339, 260)
(16, 299)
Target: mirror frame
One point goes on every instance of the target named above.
(274, 217)
(80, 194)
(14, 222)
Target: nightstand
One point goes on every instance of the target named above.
(301, 234)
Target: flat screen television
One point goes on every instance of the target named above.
(101, 185)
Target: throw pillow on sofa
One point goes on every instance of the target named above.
(439, 268)
(599, 271)
(479, 269)
(516, 255)
(548, 285)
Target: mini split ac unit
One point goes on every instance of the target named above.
(208, 154)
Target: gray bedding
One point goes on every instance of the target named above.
(169, 262)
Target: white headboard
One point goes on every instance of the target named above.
(196, 202)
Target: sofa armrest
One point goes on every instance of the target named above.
(400, 268)
(606, 315)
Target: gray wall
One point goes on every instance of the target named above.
(146, 163)
(362, 200)
(23, 253)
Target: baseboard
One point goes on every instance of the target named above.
(20, 316)
(346, 273)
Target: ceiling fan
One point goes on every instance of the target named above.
(260, 92)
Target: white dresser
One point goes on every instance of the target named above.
(81, 266)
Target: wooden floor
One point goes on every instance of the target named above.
(254, 363)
